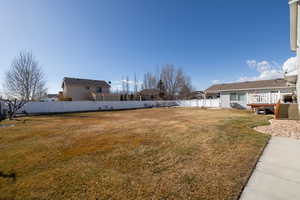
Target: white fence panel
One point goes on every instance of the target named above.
(79, 106)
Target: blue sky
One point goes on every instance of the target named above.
(212, 41)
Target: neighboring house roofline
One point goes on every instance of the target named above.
(87, 82)
(269, 88)
(250, 85)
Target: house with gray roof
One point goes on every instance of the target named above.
(245, 94)
(77, 89)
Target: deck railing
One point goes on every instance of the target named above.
(263, 98)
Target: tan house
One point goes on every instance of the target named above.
(76, 89)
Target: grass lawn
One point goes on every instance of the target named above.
(165, 153)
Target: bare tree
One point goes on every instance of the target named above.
(186, 88)
(127, 85)
(123, 85)
(176, 83)
(135, 84)
(13, 106)
(170, 77)
(172, 82)
(25, 79)
(150, 81)
(157, 73)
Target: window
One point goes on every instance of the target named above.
(233, 97)
(99, 90)
(237, 96)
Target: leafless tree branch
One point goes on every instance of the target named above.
(25, 78)
(174, 82)
(13, 106)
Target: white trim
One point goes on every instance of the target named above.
(270, 88)
(293, 1)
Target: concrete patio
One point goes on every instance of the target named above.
(277, 174)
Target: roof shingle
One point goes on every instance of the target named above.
(86, 82)
(275, 83)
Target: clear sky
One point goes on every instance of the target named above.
(212, 40)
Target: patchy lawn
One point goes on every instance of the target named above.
(166, 153)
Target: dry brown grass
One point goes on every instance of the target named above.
(166, 153)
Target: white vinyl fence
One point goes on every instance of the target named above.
(80, 106)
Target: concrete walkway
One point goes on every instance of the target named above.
(277, 174)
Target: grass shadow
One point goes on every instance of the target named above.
(12, 176)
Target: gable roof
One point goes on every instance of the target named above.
(261, 84)
(85, 82)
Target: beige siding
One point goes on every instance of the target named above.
(81, 93)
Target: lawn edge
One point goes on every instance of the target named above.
(253, 168)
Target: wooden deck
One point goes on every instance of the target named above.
(255, 106)
(258, 105)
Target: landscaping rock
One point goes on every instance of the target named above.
(285, 128)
